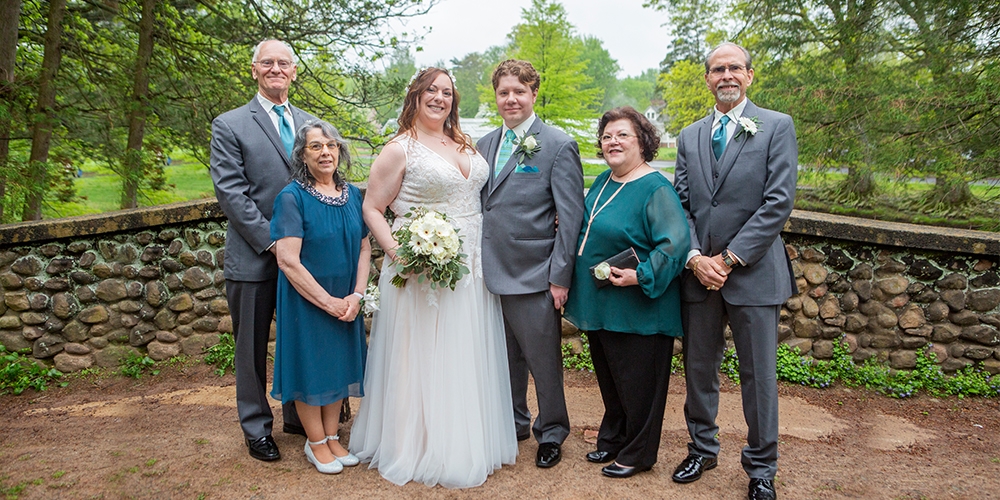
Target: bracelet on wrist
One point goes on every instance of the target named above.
(694, 262)
(360, 295)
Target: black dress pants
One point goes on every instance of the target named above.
(633, 373)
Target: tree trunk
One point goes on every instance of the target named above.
(41, 133)
(951, 192)
(137, 115)
(10, 13)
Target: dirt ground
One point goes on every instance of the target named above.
(176, 435)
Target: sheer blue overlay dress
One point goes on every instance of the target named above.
(319, 359)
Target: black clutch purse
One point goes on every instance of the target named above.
(624, 260)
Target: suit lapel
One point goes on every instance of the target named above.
(490, 155)
(734, 147)
(513, 160)
(264, 121)
(705, 151)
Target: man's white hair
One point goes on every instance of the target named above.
(288, 48)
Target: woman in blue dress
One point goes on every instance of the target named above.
(323, 255)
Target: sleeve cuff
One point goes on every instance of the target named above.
(692, 254)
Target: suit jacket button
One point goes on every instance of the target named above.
(715, 203)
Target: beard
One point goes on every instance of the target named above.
(728, 94)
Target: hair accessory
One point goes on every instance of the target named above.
(421, 70)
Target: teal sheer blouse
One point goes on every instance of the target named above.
(647, 216)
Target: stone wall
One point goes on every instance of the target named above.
(890, 289)
(89, 290)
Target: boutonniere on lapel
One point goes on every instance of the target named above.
(527, 146)
(750, 127)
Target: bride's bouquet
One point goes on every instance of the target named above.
(429, 247)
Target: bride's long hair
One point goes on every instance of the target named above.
(408, 117)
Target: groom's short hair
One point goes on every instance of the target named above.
(523, 70)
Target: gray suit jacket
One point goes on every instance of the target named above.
(249, 167)
(522, 250)
(744, 208)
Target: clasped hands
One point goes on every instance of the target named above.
(345, 309)
(710, 271)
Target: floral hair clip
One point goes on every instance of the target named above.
(421, 70)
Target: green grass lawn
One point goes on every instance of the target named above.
(99, 190)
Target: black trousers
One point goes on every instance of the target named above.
(633, 373)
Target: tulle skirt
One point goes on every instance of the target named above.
(438, 406)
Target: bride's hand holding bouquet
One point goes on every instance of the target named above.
(430, 248)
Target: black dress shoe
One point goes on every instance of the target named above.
(691, 468)
(600, 457)
(761, 489)
(293, 429)
(548, 455)
(263, 449)
(524, 437)
(620, 472)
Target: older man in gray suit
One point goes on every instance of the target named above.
(735, 175)
(250, 164)
(527, 261)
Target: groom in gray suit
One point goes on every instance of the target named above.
(249, 163)
(735, 175)
(528, 261)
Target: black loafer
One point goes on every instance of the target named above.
(620, 472)
(691, 468)
(264, 449)
(523, 437)
(548, 455)
(293, 429)
(600, 457)
(761, 489)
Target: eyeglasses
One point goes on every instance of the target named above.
(283, 64)
(316, 147)
(621, 136)
(721, 70)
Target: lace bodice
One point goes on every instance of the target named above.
(432, 182)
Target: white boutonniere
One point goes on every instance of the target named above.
(750, 126)
(527, 146)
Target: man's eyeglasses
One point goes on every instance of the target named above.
(282, 64)
(721, 70)
(316, 147)
(621, 136)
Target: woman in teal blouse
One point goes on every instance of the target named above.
(631, 324)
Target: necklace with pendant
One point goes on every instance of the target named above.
(443, 139)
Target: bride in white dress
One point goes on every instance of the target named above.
(437, 406)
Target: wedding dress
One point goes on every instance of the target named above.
(437, 406)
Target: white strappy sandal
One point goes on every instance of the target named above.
(349, 460)
(333, 467)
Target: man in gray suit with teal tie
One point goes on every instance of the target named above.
(528, 261)
(735, 175)
(249, 165)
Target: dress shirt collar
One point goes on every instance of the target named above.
(521, 128)
(734, 114)
(268, 105)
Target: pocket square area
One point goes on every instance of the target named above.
(526, 169)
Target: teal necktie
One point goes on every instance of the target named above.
(284, 130)
(505, 150)
(719, 137)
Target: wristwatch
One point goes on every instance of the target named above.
(728, 259)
